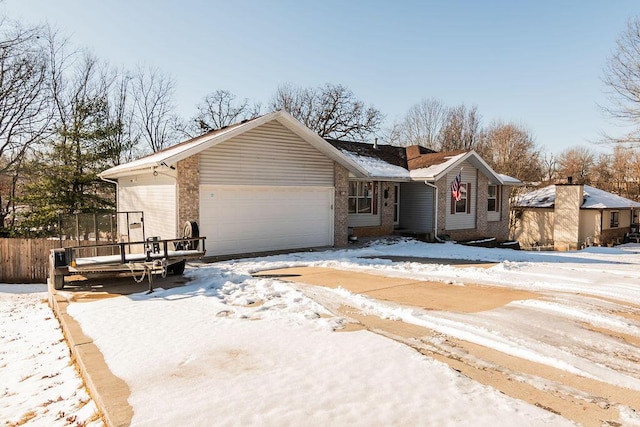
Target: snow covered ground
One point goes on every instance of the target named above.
(233, 349)
(39, 385)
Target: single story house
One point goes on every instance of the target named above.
(570, 216)
(270, 183)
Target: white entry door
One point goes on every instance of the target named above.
(245, 219)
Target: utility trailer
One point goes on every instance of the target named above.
(138, 259)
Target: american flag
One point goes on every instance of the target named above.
(455, 187)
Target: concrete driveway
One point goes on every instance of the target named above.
(485, 365)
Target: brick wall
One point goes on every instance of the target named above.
(500, 229)
(443, 190)
(386, 207)
(482, 193)
(340, 205)
(188, 191)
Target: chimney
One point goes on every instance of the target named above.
(569, 180)
(413, 152)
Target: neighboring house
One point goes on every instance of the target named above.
(570, 216)
(271, 183)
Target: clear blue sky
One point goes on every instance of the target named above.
(538, 63)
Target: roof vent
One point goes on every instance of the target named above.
(375, 143)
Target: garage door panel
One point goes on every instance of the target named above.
(250, 219)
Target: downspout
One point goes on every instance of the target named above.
(114, 183)
(435, 222)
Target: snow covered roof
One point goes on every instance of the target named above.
(185, 149)
(434, 166)
(509, 180)
(594, 198)
(383, 161)
(378, 160)
(378, 168)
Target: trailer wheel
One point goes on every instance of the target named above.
(191, 231)
(177, 268)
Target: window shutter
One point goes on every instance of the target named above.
(468, 197)
(453, 204)
(374, 200)
(498, 191)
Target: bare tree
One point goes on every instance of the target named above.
(602, 174)
(422, 125)
(634, 179)
(549, 166)
(460, 129)
(62, 178)
(331, 110)
(154, 109)
(510, 149)
(577, 162)
(622, 79)
(122, 145)
(222, 108)
(24, 105)
(620, 170)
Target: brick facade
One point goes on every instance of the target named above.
(386, 207)
(500, 229)
(188, 191)
(340, 206)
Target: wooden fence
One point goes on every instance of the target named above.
(27, 260)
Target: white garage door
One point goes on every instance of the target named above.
(254, 219)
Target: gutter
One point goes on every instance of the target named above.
(435, 222)
(109, 180)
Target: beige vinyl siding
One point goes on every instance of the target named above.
(156, 197)
(624, 219)
(462, 221)
(589, 224)
(268, 155)
(535, 226)
(416, 207)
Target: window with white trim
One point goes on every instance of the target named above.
(361, 197)
(492, 198)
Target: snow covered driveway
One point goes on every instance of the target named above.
(233, 349)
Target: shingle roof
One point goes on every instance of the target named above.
(412, 163)
(593, 198)
(396, 156)
(192, 146)
(433, 159)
